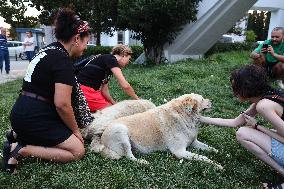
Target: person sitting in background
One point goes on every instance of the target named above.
(29, 45)
(250, 84)
(42, 119)
(4, 53)
(94, 77)
(270, 54)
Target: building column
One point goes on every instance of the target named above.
(276, 20)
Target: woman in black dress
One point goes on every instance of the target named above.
(42, 119)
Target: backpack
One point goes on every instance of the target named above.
(78, 66)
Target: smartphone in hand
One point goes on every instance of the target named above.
(264, 47)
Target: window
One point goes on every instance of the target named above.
(120, 37)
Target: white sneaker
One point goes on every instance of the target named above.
(280, 84)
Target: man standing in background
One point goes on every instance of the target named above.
(29, 45)
(4, 53)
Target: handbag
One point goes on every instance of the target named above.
(81, 109)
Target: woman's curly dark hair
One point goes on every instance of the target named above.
(66, 23)
(249, 81)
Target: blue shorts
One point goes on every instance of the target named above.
(277, 151)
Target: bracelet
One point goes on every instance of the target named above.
(255, 125)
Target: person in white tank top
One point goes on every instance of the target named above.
(29, 45)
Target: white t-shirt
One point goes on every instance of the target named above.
(30, 44)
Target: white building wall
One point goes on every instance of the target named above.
(49, 34)
(107, 40)
(126, 37)
(277, 20)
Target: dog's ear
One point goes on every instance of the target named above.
(195, 105)
(189, 104)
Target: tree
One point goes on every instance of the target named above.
(155, 22)
(13, 14)
(258, 21)
(101, 14)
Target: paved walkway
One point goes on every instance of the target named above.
(18, 70)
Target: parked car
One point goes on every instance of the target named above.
(259, 42)
(16, 49)
(226, 39)
(91, 45)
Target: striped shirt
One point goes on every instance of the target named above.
(3, 43)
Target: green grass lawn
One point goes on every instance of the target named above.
(208, 77)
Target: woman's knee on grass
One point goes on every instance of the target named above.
(243, 133)
(79, 152)
(74, 146)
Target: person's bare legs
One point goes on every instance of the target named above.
(260, 61)
(69, 150)
(259, 144)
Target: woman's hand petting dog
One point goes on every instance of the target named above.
(250, 121)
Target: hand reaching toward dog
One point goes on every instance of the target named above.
(250, 121)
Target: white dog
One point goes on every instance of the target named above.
(171, 126)
(105, 116)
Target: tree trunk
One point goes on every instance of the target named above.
(98, 41)
(154, 54)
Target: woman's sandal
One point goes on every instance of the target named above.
(10, 136)
(7, 154)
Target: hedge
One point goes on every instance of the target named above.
(226, 47)
(137, 50)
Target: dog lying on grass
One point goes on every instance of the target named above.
(171, 126)
(103, 117)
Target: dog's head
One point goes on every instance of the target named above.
(191, 103)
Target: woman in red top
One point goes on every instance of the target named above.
(94, 77)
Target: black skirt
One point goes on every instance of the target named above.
(37, 123)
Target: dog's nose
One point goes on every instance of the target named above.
(209, 104)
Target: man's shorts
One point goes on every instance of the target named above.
(277, 151)
(95, 99)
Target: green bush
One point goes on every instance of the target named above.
(137, 50)
(226, 47)
(97, 50)
(250, 36)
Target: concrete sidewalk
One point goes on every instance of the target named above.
(17, 70)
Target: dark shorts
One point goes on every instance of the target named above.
(38, 123)
(269, 67)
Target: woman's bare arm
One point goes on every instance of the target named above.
(62, 101)
(123, 83)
